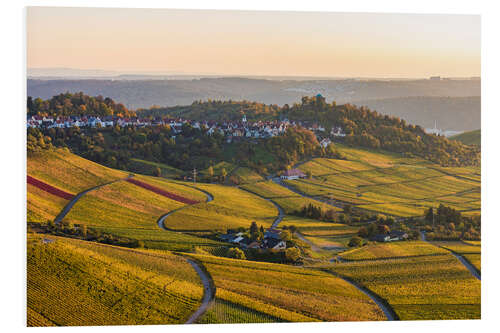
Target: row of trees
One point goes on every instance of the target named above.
(370, 129)
(447, 223)
(77, 104)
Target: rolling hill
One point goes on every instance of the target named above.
(469, 138)
(78, 283)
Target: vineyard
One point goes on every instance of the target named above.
(420, 288)
(126, 210)
(231, 208)
(41, 205)
(393, 250)
(390, 184)
(264, 291)
(69, 172)
(287, 199)
(107, 285)
(470, 250)
(49, 188)
(162, 192)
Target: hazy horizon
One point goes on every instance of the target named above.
(253, 43)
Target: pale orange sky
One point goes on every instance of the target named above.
(254, 43)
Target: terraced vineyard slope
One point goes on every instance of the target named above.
(127, 210)
(264, 292)
(78, 283)
(388, 183)
(419, 282)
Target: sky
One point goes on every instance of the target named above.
(322, 44)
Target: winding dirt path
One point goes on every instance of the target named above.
(281, 212)
(77, 197)
(206, 279)
(208, 291)
(161, 220)
(381, 303)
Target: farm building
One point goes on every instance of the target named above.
(293, 174)
(391, 237)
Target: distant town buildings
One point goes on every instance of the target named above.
(231, 130)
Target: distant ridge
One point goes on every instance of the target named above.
(469, 138)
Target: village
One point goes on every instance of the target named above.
(231, 130)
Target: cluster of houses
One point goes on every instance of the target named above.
(390, 237)
(231, 130)
(271, 241)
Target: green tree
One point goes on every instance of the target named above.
(157, 172)
(210, 172)
(236, 253)
(363, 232)
(292, 254)
(254, 228)
(355, 242)
(286, 235)
(223, 174)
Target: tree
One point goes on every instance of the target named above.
(429, 215)
(254, 228)
(84, 231)
(309, 174)
(347, 209)
(362, 232)
(223, 173)
(355, 242)
(292, 254)
(157, 172)
(286, 235)
(210, 172)
(236, 253)
(383, 229)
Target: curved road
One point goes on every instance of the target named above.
(208, 291)
(77, 197)
(281, 212)
(162, 218)
(206, 279)
(464, 261)
(381, 303)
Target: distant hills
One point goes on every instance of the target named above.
(450, 113)
(409, 99)
(469, 138)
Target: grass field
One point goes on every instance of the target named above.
(243, 175)
(218, 168)
(78, 283)
(422, 288)
(263, 292)
(231, 208)
(469, 138)
(69, 172)
(149, 168)
(390, 184)
(393, 250)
